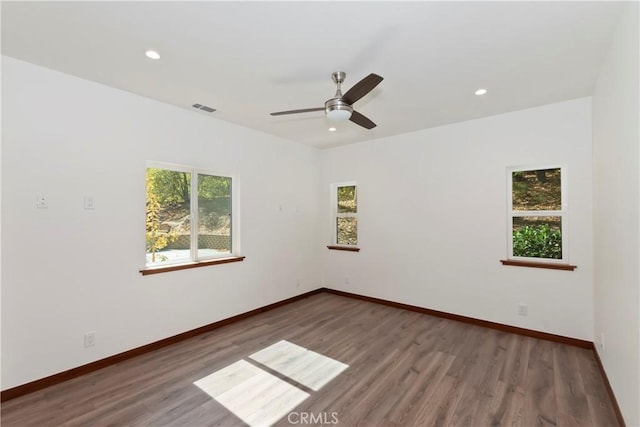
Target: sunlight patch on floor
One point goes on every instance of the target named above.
(253, 395)
(304, 366)
(260, 398)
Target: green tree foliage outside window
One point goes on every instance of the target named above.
(170, 187)
(157, 239)
(537, 242)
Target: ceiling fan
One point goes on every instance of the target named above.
(340, 107)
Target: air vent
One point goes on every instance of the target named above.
(204, 108)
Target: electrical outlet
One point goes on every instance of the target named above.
(90, 339)
(41, 202)
(522, 309)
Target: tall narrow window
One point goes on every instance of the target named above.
(345, 214)
(189, 215)
(537, 214)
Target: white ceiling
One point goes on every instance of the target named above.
(247, 59)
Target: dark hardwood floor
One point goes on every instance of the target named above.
(405, 369)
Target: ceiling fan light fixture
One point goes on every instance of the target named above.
(337, 110)
(338, 115)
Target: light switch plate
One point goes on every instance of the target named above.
(41, 202)
(89, 202)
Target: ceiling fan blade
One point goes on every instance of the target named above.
(304, 110)
(361, 88)
(361, 120)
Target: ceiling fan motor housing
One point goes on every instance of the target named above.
(337, 110)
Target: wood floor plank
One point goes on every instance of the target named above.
(404, 369)
(430, 373)
(573, 407)
(509, 396)
(600, 407)
(539, 406)
(439, 408)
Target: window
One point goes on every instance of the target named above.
(537, 214)
(344, 201)
(190, 215)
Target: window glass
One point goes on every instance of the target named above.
(534, 190)
(214, 215)
(537, 214)
(345, 213)
(347, 231)
(168, 216)
(347, 202)
(537, 237)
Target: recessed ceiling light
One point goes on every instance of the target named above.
(481, 91)
(332, 129)
(152, 54)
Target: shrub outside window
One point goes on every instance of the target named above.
(189, 215)
(537, 212)
(344, 202)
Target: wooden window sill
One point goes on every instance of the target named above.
(532, 264)
(344, 248)
(187, 265)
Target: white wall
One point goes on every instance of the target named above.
(69, 270)
(616, 215)
(433, 222)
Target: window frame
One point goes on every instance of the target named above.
(335, 215)
(194, 259)
(563, 213)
